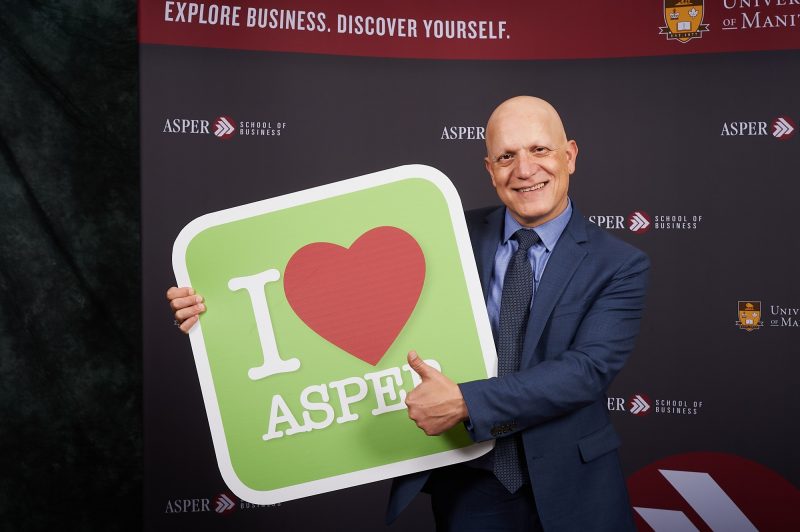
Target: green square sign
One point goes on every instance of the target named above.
(314, 300)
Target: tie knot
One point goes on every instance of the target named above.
(526, 238)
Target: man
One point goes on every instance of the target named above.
(565, 300)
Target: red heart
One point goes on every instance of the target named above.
(360, 298)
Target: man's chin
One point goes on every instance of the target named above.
(529, 217)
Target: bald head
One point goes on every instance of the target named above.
(525, 109)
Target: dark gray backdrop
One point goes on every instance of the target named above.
(649, 132)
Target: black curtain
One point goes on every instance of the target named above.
(70, 332)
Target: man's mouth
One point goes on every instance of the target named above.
(534, 187)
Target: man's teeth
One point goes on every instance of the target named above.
(534, 187)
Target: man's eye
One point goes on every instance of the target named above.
(540, 150)
(505, 157)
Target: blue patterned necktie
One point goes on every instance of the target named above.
(514, 310)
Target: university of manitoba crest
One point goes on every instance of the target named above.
(684, 20)
(749, 316)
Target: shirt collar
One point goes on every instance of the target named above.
(549, 232)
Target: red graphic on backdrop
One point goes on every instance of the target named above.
(224, 127)
(639, 405)
(639, 222)
(224, 503)
(783, 128)
(712, 491)
(360, 298)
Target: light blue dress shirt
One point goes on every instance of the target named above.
(538, 255)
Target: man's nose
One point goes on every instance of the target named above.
(526, 165)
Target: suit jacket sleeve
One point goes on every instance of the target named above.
(588, 343)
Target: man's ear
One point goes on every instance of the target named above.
(572, 154)
(488, 164)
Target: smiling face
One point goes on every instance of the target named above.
(529, 159)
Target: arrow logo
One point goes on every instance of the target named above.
(639, 405)
(224, 127)
(638, 222)
(706, 497)
(223, 504)
(783, 128)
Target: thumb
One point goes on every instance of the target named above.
(419, 365)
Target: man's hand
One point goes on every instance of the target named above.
(436, 404)
(187, 306)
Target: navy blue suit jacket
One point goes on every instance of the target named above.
(582, 327)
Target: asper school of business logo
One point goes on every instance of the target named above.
(223, 127)
(221, 504)
(640, 405)
(641, 222)
(684, 20)
(750, 316)
(781, 128)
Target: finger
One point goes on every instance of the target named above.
(183, 291)
(419, 365)
(188, 323)
(188, 312)
(183, 302)
(411, 402)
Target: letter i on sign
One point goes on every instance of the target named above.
(272, 362)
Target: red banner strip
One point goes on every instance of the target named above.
(501, 29)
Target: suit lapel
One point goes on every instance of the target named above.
(567, 256)
(489, 235)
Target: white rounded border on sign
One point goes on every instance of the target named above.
(339, 188)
